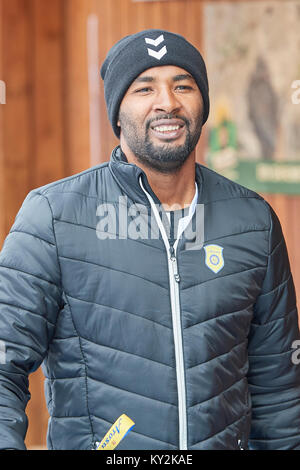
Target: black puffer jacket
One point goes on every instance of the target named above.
(195, 345)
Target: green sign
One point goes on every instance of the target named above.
(261, 176)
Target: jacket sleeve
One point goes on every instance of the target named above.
(30, 298)
(274, 375)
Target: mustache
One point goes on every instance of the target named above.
(166, 116)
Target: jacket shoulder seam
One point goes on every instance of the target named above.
(43, 190)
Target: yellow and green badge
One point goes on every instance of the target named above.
(116, 433)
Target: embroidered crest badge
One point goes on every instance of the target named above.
(214, 257)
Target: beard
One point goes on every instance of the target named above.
(164, 158)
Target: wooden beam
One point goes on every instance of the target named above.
(2, 219)
(47, 162)
(17, 113)
(76, 84)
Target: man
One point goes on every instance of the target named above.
(185, 320)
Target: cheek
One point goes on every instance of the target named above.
(197, 115)
(195, 106)
(132, 121)
(131, 127)
(137, 110)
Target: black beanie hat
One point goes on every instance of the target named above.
(130, 56)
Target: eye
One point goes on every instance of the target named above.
(143, 90)
(184, 87)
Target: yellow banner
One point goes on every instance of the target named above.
(116, 433)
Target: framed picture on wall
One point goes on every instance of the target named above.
(253, 60)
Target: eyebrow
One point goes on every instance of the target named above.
(143, 79)
(185, 76)
(176, 78)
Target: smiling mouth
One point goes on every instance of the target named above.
(166, 128)
(171, 130)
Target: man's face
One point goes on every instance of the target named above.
(161, 117)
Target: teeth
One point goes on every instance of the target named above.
(166, 128)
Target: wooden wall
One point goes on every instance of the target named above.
(54, 121)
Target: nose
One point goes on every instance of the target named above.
(166, 101)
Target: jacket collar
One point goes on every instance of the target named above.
(127, 176)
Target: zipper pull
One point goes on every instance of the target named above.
(240, 445)
(174, 264)
(172, 253)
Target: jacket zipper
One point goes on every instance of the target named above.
(174, 280)
(177, 331)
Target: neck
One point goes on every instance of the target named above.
(174, 190)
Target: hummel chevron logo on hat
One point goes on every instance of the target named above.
(156, 42)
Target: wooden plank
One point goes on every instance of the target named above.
(109, 16)
(47, 162)
(76, 85)
(17, 42)
(94, 88)
(106, 143)
(2, 220)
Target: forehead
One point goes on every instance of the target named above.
(164, 72)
